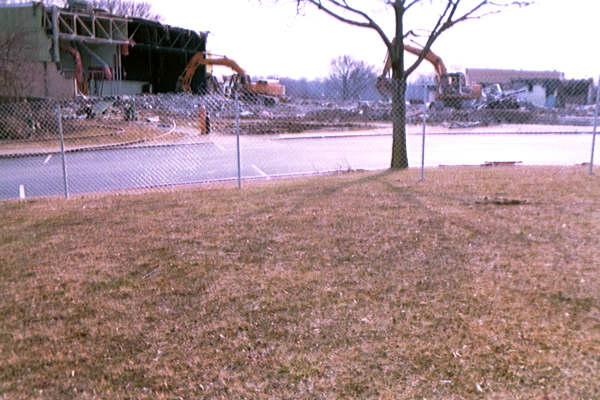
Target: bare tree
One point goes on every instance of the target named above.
(350, 77)
(128, 8)
(448, 14)
(303, 88)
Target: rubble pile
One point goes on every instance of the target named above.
(525, 114)
(32, 120)
(38, 119)
(482, 117)
(301, 115)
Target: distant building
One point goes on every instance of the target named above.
(78, 49)
(484, 76)
(576, 92)
(544, 88)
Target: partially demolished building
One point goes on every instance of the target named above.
(61, 52)
(543, 88)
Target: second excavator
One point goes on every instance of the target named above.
(451, 87)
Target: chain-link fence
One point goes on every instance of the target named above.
(106, 144)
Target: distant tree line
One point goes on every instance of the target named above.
(139, 9)
(349, 80)
(127, 8)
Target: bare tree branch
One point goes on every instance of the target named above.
(411, 4)
(337, 16)
(344, 6)
(446, 21)
(437, 30)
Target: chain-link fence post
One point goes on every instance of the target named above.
(62, 151)
(424, 129)
(237, 136)
(595, 128)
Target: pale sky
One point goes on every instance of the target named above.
(272, 39)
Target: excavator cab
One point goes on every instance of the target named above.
(235, 83)
(453, 84)
(454, 92)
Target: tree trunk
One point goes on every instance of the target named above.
(399, 153)
(396, 54)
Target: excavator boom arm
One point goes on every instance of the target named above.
(185, 79)
(434, 59)
(227, 62)
(383, 84)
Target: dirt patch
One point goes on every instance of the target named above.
(79, 134)
(281, 125)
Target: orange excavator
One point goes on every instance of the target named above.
(451, 87)
(264, 91)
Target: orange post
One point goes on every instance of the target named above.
(202, 125)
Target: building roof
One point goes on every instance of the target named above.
(488, 76)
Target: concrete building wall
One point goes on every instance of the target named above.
(113, 88)
(27, 21)
(33, 74)
(535, 96)
(39, 80)
(49, 82)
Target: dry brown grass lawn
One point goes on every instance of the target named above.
(364, 285)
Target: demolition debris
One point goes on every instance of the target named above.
(36, 120)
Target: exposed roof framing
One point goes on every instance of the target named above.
(101, 28)
(153, 35)
(87, 27)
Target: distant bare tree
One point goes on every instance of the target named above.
(60, 3)
(15, 66)
(14, 2)
(128, 8)
(350, 77)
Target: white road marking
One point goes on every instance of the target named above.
(173, 127)
(218, 146)
(47, 159)
(22, 191)
(260, 171)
